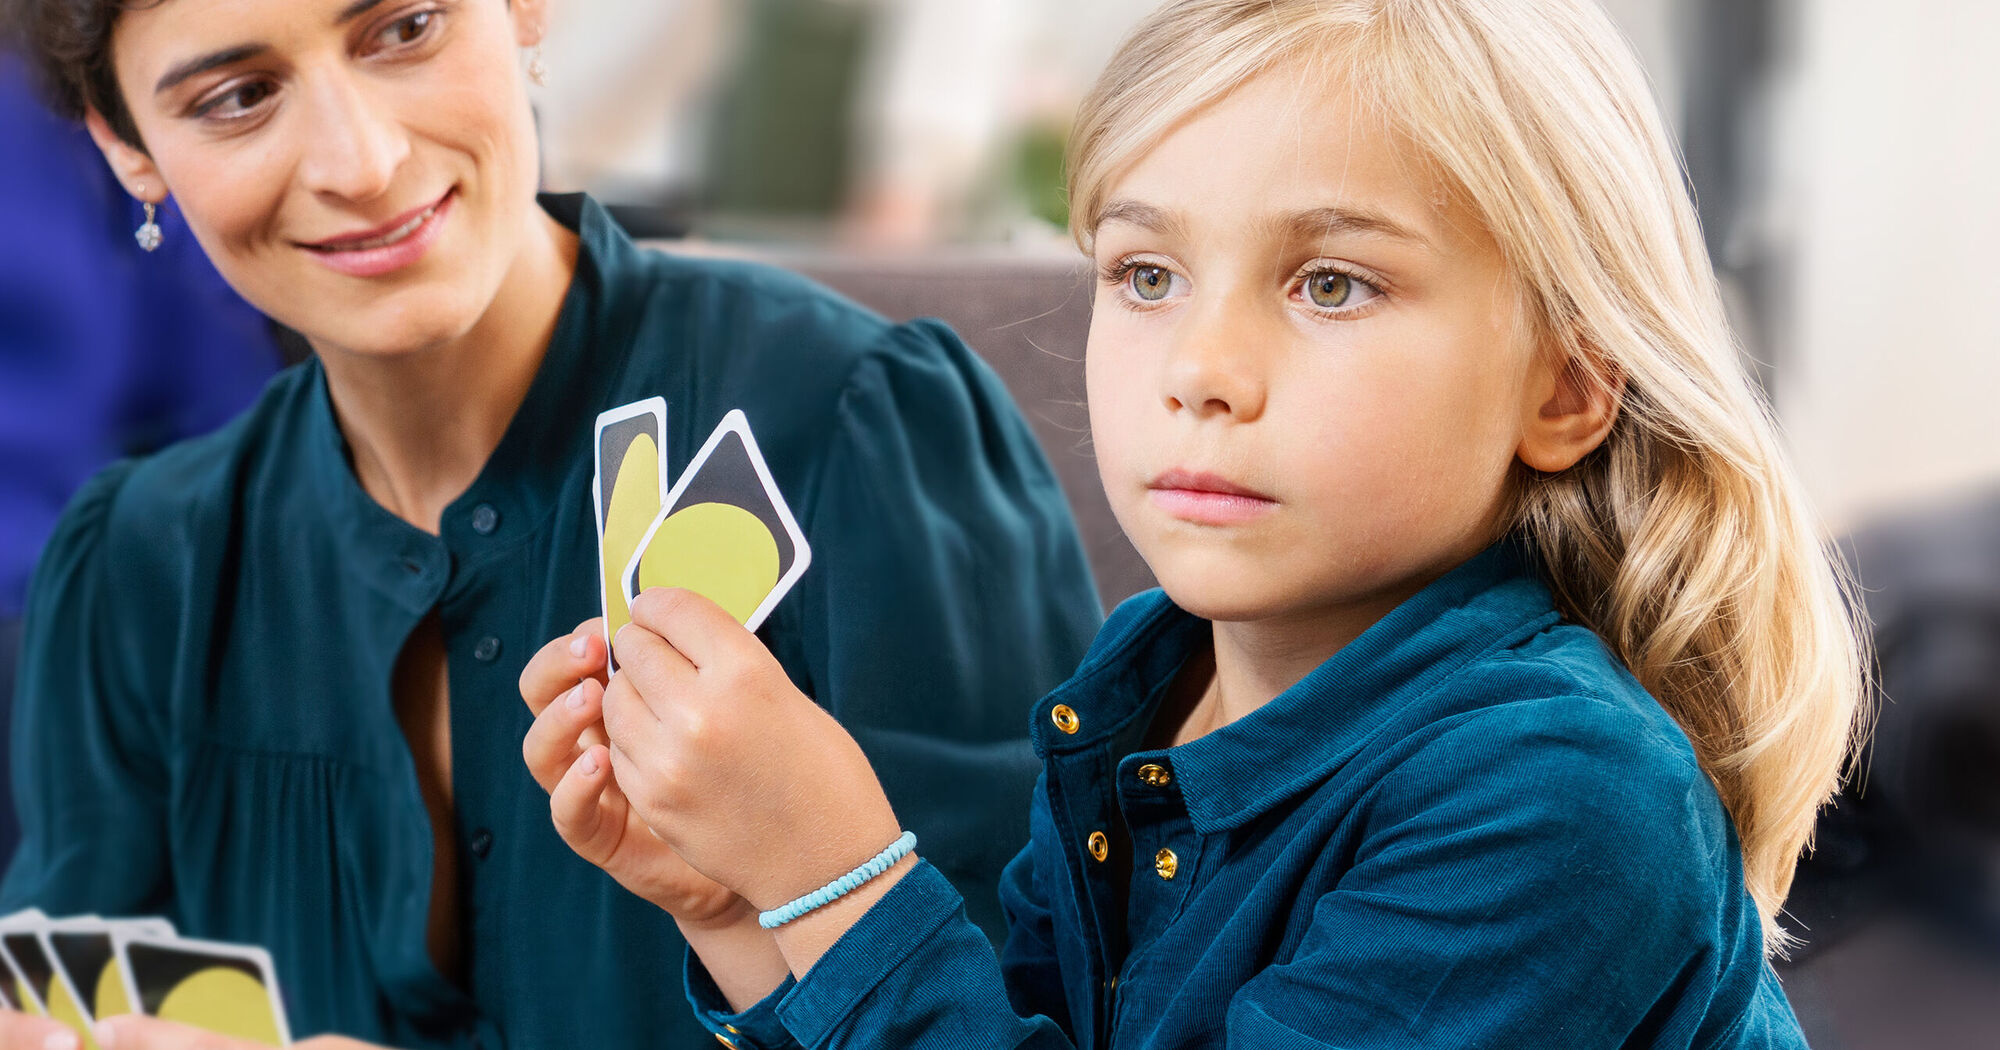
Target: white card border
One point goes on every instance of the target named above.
(124, 939)
(657, 406)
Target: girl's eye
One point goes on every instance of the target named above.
(1334, 290)
(1151, 283)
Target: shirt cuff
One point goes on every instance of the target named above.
(757, 1028)
(894, 929)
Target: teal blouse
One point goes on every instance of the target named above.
(204, 726)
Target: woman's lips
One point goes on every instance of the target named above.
(377, 253)
(1207, 499)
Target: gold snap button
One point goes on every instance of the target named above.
(726, 1041)
(1153, 775)
(1064, 718)
(1100, 847)
(1165, 864)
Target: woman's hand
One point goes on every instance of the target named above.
(132, 1032)
(747, 779)
(19, 1031)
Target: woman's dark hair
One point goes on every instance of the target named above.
(69, 43)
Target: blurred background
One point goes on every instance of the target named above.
(1844, 155)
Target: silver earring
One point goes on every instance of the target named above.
(537, 72)
(148, 234)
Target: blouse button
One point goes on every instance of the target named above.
(487, 651)
(725, 1041)
(485, 519)
(482, 843)
(1165, 864)
(1100, 847)
(1155, 775)
(1064, 718)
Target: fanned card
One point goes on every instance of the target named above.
(724, 531)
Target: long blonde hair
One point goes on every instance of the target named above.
(1685, 541)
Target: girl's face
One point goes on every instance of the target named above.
(1309, 371)
(361, 170)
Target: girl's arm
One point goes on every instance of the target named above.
(757, 788)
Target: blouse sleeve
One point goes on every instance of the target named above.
(948, 591)
(89, 782)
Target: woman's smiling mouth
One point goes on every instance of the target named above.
(386, 248)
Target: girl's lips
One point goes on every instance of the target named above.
(393, 250)
(1207, 499)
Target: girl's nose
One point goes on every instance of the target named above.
(1213, 368)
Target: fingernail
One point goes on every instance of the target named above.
(590, 763)
(574, 699)
(577, 645)
(102, 1031)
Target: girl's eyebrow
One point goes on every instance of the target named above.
(1317, 223)
(1145, 216)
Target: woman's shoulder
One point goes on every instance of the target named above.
(148, 511)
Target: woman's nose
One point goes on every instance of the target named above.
(353, 145)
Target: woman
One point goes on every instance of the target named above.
(249, 659)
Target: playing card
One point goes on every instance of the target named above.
(631, 451)
(86, 960)
(228, 989)
(36, 986)
(724, 531)
(16, 995)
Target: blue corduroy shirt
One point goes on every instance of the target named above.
(1471, 827)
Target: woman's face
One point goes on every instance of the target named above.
(362, 171)
(1308, 370)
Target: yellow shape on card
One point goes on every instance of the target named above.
(721, 552)
(65, 1009)
(223, 1000)
(110, 995)
(635, 501)
(27, 1003)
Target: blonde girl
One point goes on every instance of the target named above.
(1499, 666)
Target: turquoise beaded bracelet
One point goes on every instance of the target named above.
(841, 886)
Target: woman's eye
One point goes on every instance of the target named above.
(409, 29)
(1151, 283)
(1333, 290)
(239, 100)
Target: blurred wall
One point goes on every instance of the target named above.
(1892, 176)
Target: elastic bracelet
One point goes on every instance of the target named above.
(841, 886)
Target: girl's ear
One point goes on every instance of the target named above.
(135, 170)
(1570, 409)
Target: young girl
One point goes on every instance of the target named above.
(1499, 667)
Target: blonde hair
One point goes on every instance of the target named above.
(1685, 540)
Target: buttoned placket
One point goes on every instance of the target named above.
(1166, 854)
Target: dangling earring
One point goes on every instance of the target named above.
(537, 72)
(148, 234)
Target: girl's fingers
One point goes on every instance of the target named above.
(134, 1032)
(575, 805)
(560, 663)
(18, 1031)
(650, 672)
(698, 628)
(563, 728)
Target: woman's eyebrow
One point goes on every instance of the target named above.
(195, 67)
(232, 55)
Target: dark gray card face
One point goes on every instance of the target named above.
(27, 954)
(730, 476)
(613, 442)
(87, 957)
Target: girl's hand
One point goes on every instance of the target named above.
(566, 752)
(747, 779)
